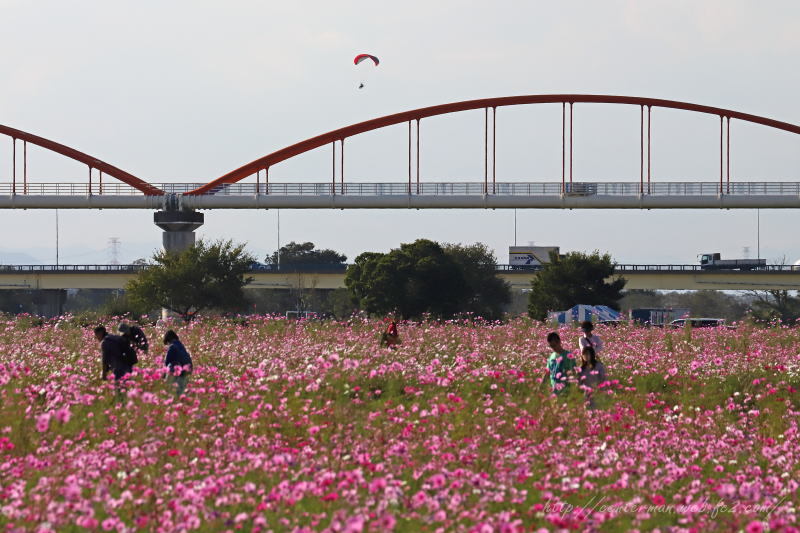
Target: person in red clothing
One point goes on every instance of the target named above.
(391, 337)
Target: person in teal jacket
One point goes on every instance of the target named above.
(560, 364)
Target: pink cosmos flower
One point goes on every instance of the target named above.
(419, 499)
(754, 527)
(63, 415)
(43, 422)
(437, 481)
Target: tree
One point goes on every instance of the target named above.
(775, 305)
(708, 303)
(414, 279)
(487, 294)
(204, 276)
(575, 278)
(305, 254)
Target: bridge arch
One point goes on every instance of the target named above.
(81, 157)
(340, 134)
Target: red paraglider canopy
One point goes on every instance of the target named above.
(361, 57)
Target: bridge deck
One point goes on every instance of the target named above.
(399, 195)
(661, 277)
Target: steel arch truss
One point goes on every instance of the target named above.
(567, 100)
(92, 162)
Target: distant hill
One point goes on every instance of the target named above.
(18, 258)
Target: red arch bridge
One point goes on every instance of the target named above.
(107, 186)
(249, 186)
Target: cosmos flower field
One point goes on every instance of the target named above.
(310, 426)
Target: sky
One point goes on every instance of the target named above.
(185, 91)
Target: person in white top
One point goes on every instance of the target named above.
(588, 339)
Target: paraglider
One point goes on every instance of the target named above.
(365, 57)
(361, 57)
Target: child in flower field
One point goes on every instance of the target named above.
(592, 374)
(178, 361)
(559, 364)
(391, 337)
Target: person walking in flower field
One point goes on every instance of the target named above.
(589, 339)
(592, 374)
(135, 336)
(117, 357)
(178, 361)
(559, 364)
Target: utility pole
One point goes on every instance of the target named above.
(56, 237)
(515, 227)
(279, 239)
(758, 232)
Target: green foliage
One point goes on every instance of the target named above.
(704, 303)
(575, 278)
(412, 280)
(340, 302)
(775, 305)
(304, 254)
(205, 276)
(487, 294)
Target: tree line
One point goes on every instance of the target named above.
(422, 278)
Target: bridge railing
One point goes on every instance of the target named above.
(623, 268)
(341, 268)
(583, 188)
(110, 269)
(507, 189)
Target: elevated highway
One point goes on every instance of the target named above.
(656, 277)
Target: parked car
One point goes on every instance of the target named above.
(613, 323)
(698, 322)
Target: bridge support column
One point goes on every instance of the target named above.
(179, 228)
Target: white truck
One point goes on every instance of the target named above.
(714, 262)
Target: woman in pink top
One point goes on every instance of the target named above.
(592, 374)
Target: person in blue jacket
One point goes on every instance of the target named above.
(178, 361)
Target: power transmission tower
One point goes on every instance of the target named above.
(113, 250)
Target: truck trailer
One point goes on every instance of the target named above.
(713, 262)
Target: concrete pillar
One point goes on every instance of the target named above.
(179, 228)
